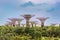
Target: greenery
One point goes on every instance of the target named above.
(32, 33)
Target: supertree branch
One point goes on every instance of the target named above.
(27, 18)
(42, 19)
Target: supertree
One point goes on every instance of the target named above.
(9, 23)
(33, 23)
(18, 20)
(53, 24)
(6, 24)
(13, 20)
(27, 17)
(42, 19)
(23, 25)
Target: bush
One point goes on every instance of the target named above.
(26, 33)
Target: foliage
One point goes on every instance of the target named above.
(26, 33)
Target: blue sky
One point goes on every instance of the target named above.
(39, 8)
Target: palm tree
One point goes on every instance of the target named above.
(13, 20)
(27, 17)
(18, 20)
(42, 19)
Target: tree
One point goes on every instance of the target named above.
(6, 24)
(9, 23)
(33, 23)
(13, 20)
(53, 24)
(42, 19)
(27, 17)
(23, 25)
(18, 20)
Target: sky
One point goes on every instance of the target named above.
(39, 8)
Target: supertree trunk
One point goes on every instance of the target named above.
(19, 23)
(32, 25)
(14, 24)
(27, 23)
(42, 24)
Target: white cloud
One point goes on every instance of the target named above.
(41, 1)
(18, 2)
(34, 1)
